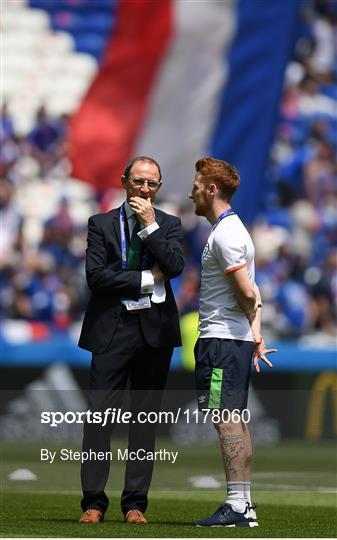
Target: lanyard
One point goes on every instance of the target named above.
(229, 212)
(123, 240)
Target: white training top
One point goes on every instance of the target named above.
(228, 248)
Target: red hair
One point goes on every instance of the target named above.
(221, 173)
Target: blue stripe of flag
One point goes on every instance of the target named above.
(262, 47)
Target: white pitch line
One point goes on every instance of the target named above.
(289, 474)
(214, 482)
(293, 487)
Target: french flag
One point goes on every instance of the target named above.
(182, 79)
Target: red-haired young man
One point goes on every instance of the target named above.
(230, 320)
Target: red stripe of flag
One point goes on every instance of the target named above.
(104, 130)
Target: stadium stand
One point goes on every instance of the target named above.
(87, 22)
(40, 66)
(51, 51)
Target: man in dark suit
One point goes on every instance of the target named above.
(131, 326)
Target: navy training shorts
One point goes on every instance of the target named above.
(222, 369)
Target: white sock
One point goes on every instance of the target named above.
(247, 486)
(236, 496)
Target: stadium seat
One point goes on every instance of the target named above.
(74, 5)
(88, 22)
(25, 19)
(57, 104)
(15, 40)
(80, 22)
(41, 65)
(58, 42)
(80, 65)
(10, 85)
(90, 43)
(64, 20)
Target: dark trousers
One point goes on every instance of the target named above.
(127, 357)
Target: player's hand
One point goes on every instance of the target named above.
(158, 275)
(260, 351)
(144, 210)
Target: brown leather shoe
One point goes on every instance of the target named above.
(135, 516)
(91, 516)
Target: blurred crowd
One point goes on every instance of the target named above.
(44, 212)
(296, 238)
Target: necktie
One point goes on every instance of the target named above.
(134, 254)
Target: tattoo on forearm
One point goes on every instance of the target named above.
(232, 449)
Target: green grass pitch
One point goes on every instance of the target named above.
(294, 487)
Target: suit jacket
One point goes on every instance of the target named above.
(109, 283)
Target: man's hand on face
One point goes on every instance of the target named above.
(144, 210)
(158, 275)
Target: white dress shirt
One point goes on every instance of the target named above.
(148, 286)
